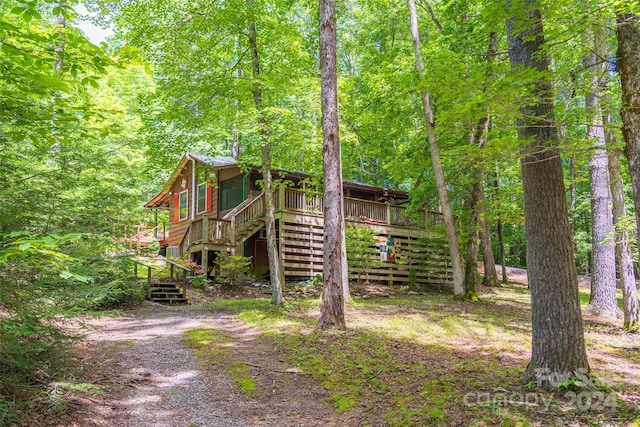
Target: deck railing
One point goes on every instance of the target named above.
(358, 209)
(364, 209)
(252, 211)
(224, 231)
(297, 200)
(219, 231)
(140, 236)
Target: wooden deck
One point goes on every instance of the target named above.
(422, 255)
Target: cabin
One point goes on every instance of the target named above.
(216, 204)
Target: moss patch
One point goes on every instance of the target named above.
(215, 348)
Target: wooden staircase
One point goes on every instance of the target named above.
(168, 293)
(163, 290)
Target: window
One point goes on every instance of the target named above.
(202, 197)
(183, 208)
(231, 193)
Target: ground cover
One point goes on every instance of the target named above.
(407, 358)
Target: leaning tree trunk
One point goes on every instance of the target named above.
(624, 253)
(628, 35)
(623, 246)
(558, 349)
(275, 273)
(603, 301)
(447, 214)
(332, 309)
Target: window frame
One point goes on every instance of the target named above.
(186, 205)
(202, 190)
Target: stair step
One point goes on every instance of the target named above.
(163, 285)
(170, 301)
(166, 295)
(165, 290)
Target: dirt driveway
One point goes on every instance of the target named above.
(149, 378)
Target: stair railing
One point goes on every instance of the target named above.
(185, 272)
(149, 269)
(252, 211)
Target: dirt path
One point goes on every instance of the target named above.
(152, 379)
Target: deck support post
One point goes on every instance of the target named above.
(205, 261)
(281, 248)
(205, 229)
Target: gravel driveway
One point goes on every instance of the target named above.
(152, 379)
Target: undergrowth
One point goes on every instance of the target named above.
(43, 278)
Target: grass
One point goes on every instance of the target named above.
(427, 360)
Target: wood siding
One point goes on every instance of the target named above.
(178, 229)
(422, 255)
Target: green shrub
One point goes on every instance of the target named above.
(32, 352)
(233, 268)
(360, 248)
(115, 294)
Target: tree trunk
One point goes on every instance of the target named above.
(488, 259)
(624, 254)
(471, 259)
(503, 256)
(275, 275)
(490, 275)
(447, 214)
(558, 349)
(603, 301)
(332, 309)
(628, 35)
(623, 247)
(61, 24)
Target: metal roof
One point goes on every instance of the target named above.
(216, 161)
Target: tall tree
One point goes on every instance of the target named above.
(478, 203)
(558, 348)
(624, 255)
(603, 300)
(459, 291)
(332, 309)
(275, 273)
(628, 35)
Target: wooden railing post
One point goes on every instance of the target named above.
(281, 203)
(205, 228)
(232, 231)
(388, 206)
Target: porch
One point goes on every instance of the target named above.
(422, 256)
(248, 217)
